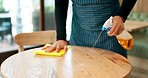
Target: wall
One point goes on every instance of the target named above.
(141, 6)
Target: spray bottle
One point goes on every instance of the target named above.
(125, 39)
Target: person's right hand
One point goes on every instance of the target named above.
(58, 45)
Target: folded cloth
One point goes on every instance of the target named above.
(53, 53)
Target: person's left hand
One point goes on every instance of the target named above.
(117, 26)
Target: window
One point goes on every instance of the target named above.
(25, 17)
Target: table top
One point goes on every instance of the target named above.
(78, 62)
(135, 25)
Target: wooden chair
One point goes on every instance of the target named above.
(5, 28)
(34, 38)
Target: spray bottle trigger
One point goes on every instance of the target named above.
(108, 29)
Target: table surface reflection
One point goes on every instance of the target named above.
(78, 62)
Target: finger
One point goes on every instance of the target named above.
(65, 48)
(118, 28)
(45, 47)
(116, 31)
(51, 48)
(114, 25)
(58, 48)
(112, 29)
(121, 30)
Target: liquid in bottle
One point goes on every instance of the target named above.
(125, 39)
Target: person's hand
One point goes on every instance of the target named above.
(58, 45)
(117, 26)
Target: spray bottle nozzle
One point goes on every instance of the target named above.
(107, 29)
(108, 24)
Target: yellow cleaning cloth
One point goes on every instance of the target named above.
(54, 53)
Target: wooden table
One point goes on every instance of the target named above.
(78, 62)
(135, 25)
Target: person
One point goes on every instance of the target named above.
(87, 21)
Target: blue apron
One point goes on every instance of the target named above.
(88, 19)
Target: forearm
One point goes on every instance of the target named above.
(126, 8)
(61, 7)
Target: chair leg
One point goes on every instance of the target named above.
(11, 39)
(2, 38)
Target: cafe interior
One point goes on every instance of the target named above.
(35, 18)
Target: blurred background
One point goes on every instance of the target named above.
(24, 16)
(18, 16)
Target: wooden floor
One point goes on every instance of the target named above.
(140, 68)
(5, 46)
(0, 75)
(139, 65)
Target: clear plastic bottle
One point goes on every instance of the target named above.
(125, 39)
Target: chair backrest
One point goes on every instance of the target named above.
(34, 38)
(5, 26)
